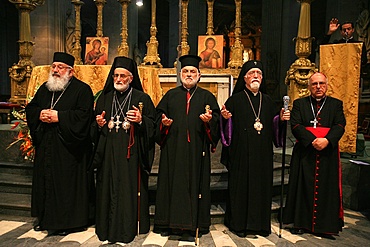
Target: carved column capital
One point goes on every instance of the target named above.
(20, 73)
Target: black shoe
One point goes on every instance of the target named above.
(63, 233)
(252, 236)
(165, 233)
(38, 228)
(52, 232)
(324, 235)
(240, 234)
(297, 231)
(186, 236)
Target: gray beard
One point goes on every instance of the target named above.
(55, 84)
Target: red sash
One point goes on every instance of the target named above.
(319, 132)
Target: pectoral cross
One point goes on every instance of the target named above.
(117, 123)
(314, 122)
(207, 108)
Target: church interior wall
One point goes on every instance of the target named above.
(279, 19)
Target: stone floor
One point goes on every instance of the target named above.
(17, 231)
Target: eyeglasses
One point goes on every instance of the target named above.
(60, 66)
(251, 73)
(123, 76)
(316, 83)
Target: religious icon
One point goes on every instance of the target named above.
(210, 50)
(97, 50)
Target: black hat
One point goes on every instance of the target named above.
(251, 64)
(240, 83)
(64, 58)
(126, 63)
(190, 60)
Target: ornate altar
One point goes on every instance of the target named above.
(155, 81)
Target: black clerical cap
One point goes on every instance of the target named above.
(190, 60)
(126, 63)
(240, 83)
(251, 64)
(64, 58)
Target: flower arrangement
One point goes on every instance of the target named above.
(24, 137)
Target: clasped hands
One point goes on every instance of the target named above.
(49, 116)
(133, 116)
(205, 117)
(320, 143)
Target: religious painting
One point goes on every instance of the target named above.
(210, 50)
(96, 50)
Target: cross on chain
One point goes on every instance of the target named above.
(117, 123)
(314, 122)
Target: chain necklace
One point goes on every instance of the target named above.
(314, 121)
(117, 112)
(52, 103)
(257, 125)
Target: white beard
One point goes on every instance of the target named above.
(190, 84)
(255, 85)
(55, 84)
(121, 87)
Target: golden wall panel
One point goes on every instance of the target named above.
(341, 63)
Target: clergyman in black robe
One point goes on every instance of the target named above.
(347, 31)
(314, 202)
(59, 117)
(187, 131)
(249, 127)
(124, 136)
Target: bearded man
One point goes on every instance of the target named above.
(59, 117)
(187, 131)
(124, 135)
(247, 132)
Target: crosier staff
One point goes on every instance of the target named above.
(286, 108)
(141, 106)
(207, 109)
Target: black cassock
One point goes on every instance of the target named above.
(314, 194)
(117, 174)
(249, 159)
(61, 175)
(181, 161)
